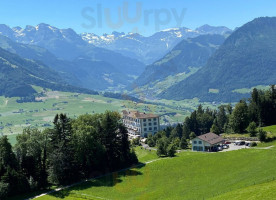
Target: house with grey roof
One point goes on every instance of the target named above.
(207, 142)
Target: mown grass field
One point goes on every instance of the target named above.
(259, 191)
(145, 155)
(190, 175)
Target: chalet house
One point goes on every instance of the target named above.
(141, 124)
(207, 142)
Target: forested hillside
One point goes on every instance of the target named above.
(17, 75)
(246, 59)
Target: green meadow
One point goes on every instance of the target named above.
(189, 175)
(14, 117)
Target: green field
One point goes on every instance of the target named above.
(14, 117)
(154, 88)
(145, 155)
(249, 90)
(259, 191)
(270, 130)
(190, 175)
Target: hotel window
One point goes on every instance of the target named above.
(149, 120)
(149, 124)
(195, 142)
(145, 129)
(144, 120)
(150, 128)
(199, 142)
(155, 123)
(155, 128)
(145, 124)
(154, 119)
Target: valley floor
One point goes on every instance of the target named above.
(14, 117)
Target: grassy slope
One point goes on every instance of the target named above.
(145, 155)
(255, 192)
(158, 86)
(249, 90)
(270, 130)
(188, 176)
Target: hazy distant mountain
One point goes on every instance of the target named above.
(193, 52)
(246, 59)
(207, 29)
(67, 46)
(149, 49)
(186, 58)
(79, 72)
(40, 54)
(18, 75)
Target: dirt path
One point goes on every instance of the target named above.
(78, 183)
(270, 147)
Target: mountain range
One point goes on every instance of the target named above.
(100, 65)
(245, 60)
(65, 51)
(149, 49)
(18, 76)
(184, 59)
(209, 63)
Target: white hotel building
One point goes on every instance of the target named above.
(141, 124)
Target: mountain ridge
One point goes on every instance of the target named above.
(185, 58)
(246, 59)
(160, 42)
(68, 47)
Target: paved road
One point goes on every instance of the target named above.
(233, 147)
(147, 147)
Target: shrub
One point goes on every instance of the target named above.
(4, 188)
(171, 150)
(254, 144)
(252, 129)
(262, 135)
(136, 141)
(183, 143)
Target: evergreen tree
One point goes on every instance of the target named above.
(183, 143)
(162, 145)
(7, 157)
(215, 128)
(171, 150)
(252, 129)
(62, 165)
(262, 135)
(29, 150)
(239, 119)
(192, 135)
(221, 119)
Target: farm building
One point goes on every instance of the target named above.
(206, 142)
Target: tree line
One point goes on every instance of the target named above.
(74, 149)
(246, 117)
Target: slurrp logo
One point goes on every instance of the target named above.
(99, 16)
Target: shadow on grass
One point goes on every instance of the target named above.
(108, 180)
(28, 195)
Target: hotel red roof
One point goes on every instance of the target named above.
(139, 115)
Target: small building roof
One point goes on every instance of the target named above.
(211, 138)
(139, 115)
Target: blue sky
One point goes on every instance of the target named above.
(154, 15)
